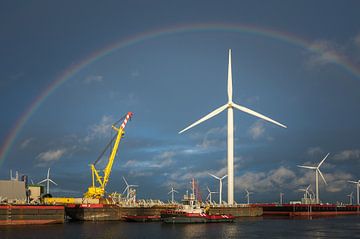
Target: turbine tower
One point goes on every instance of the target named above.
(357, 190)
(172, 191)
(317, 172)
(220, 186)
(350, 198)
(230, 129)
(48, 181)
(281, 198)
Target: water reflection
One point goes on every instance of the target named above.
(255, 227)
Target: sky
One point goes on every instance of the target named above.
(69, 69)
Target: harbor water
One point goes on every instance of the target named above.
(252, 227)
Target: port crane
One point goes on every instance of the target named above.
(98, 191)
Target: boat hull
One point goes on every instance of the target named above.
(130, 218)
(182, 217)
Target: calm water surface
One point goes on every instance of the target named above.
(335, 227)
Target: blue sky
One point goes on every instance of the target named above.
(170, 81)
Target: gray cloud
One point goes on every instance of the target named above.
(357, 40)
(256, 130)
(263, 182)
(324, 52)
(161, 160)
(101, 129)
(26, 143)
(93, 79)
(347, 155)
(314, 151)
(50, 156)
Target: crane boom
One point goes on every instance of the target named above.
(99, 191)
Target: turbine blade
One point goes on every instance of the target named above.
(176, 191)
(43, 181)
(322, 176)
(251, 112)
(323, 160)
(125, 181)
(352, 182)
(224, 177)
(230, 93)
(125, 189)
(302, 166)
(206, 117)
(53, 182)
(214, 176)
(208, 189)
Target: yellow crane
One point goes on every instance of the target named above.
(99, 191)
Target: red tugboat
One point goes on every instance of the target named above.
(191, 212)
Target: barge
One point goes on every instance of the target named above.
(31, 214)
(298, 210)
(114, 212)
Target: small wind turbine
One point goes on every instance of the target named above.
(48, 181)
(127, 188)
(209, 195)
(248, 196)
(306, 190)
(230, 105)
(317, 172)
(220, 186)
(281, 198)
(350, 198)
(357, 190)
(172, 191)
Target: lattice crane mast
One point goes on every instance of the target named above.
(99, 191)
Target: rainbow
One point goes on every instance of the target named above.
(141, 37)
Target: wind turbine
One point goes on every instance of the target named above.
(350, 198)
(127, 188)
(357, 190)
(209, 195)
(220, 186)
(317, 172)
(306, 190)
(230, 105)
(48, 181)
(172, 191)
(281, 198)
(248, 196)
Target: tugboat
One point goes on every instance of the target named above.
(191, 212)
